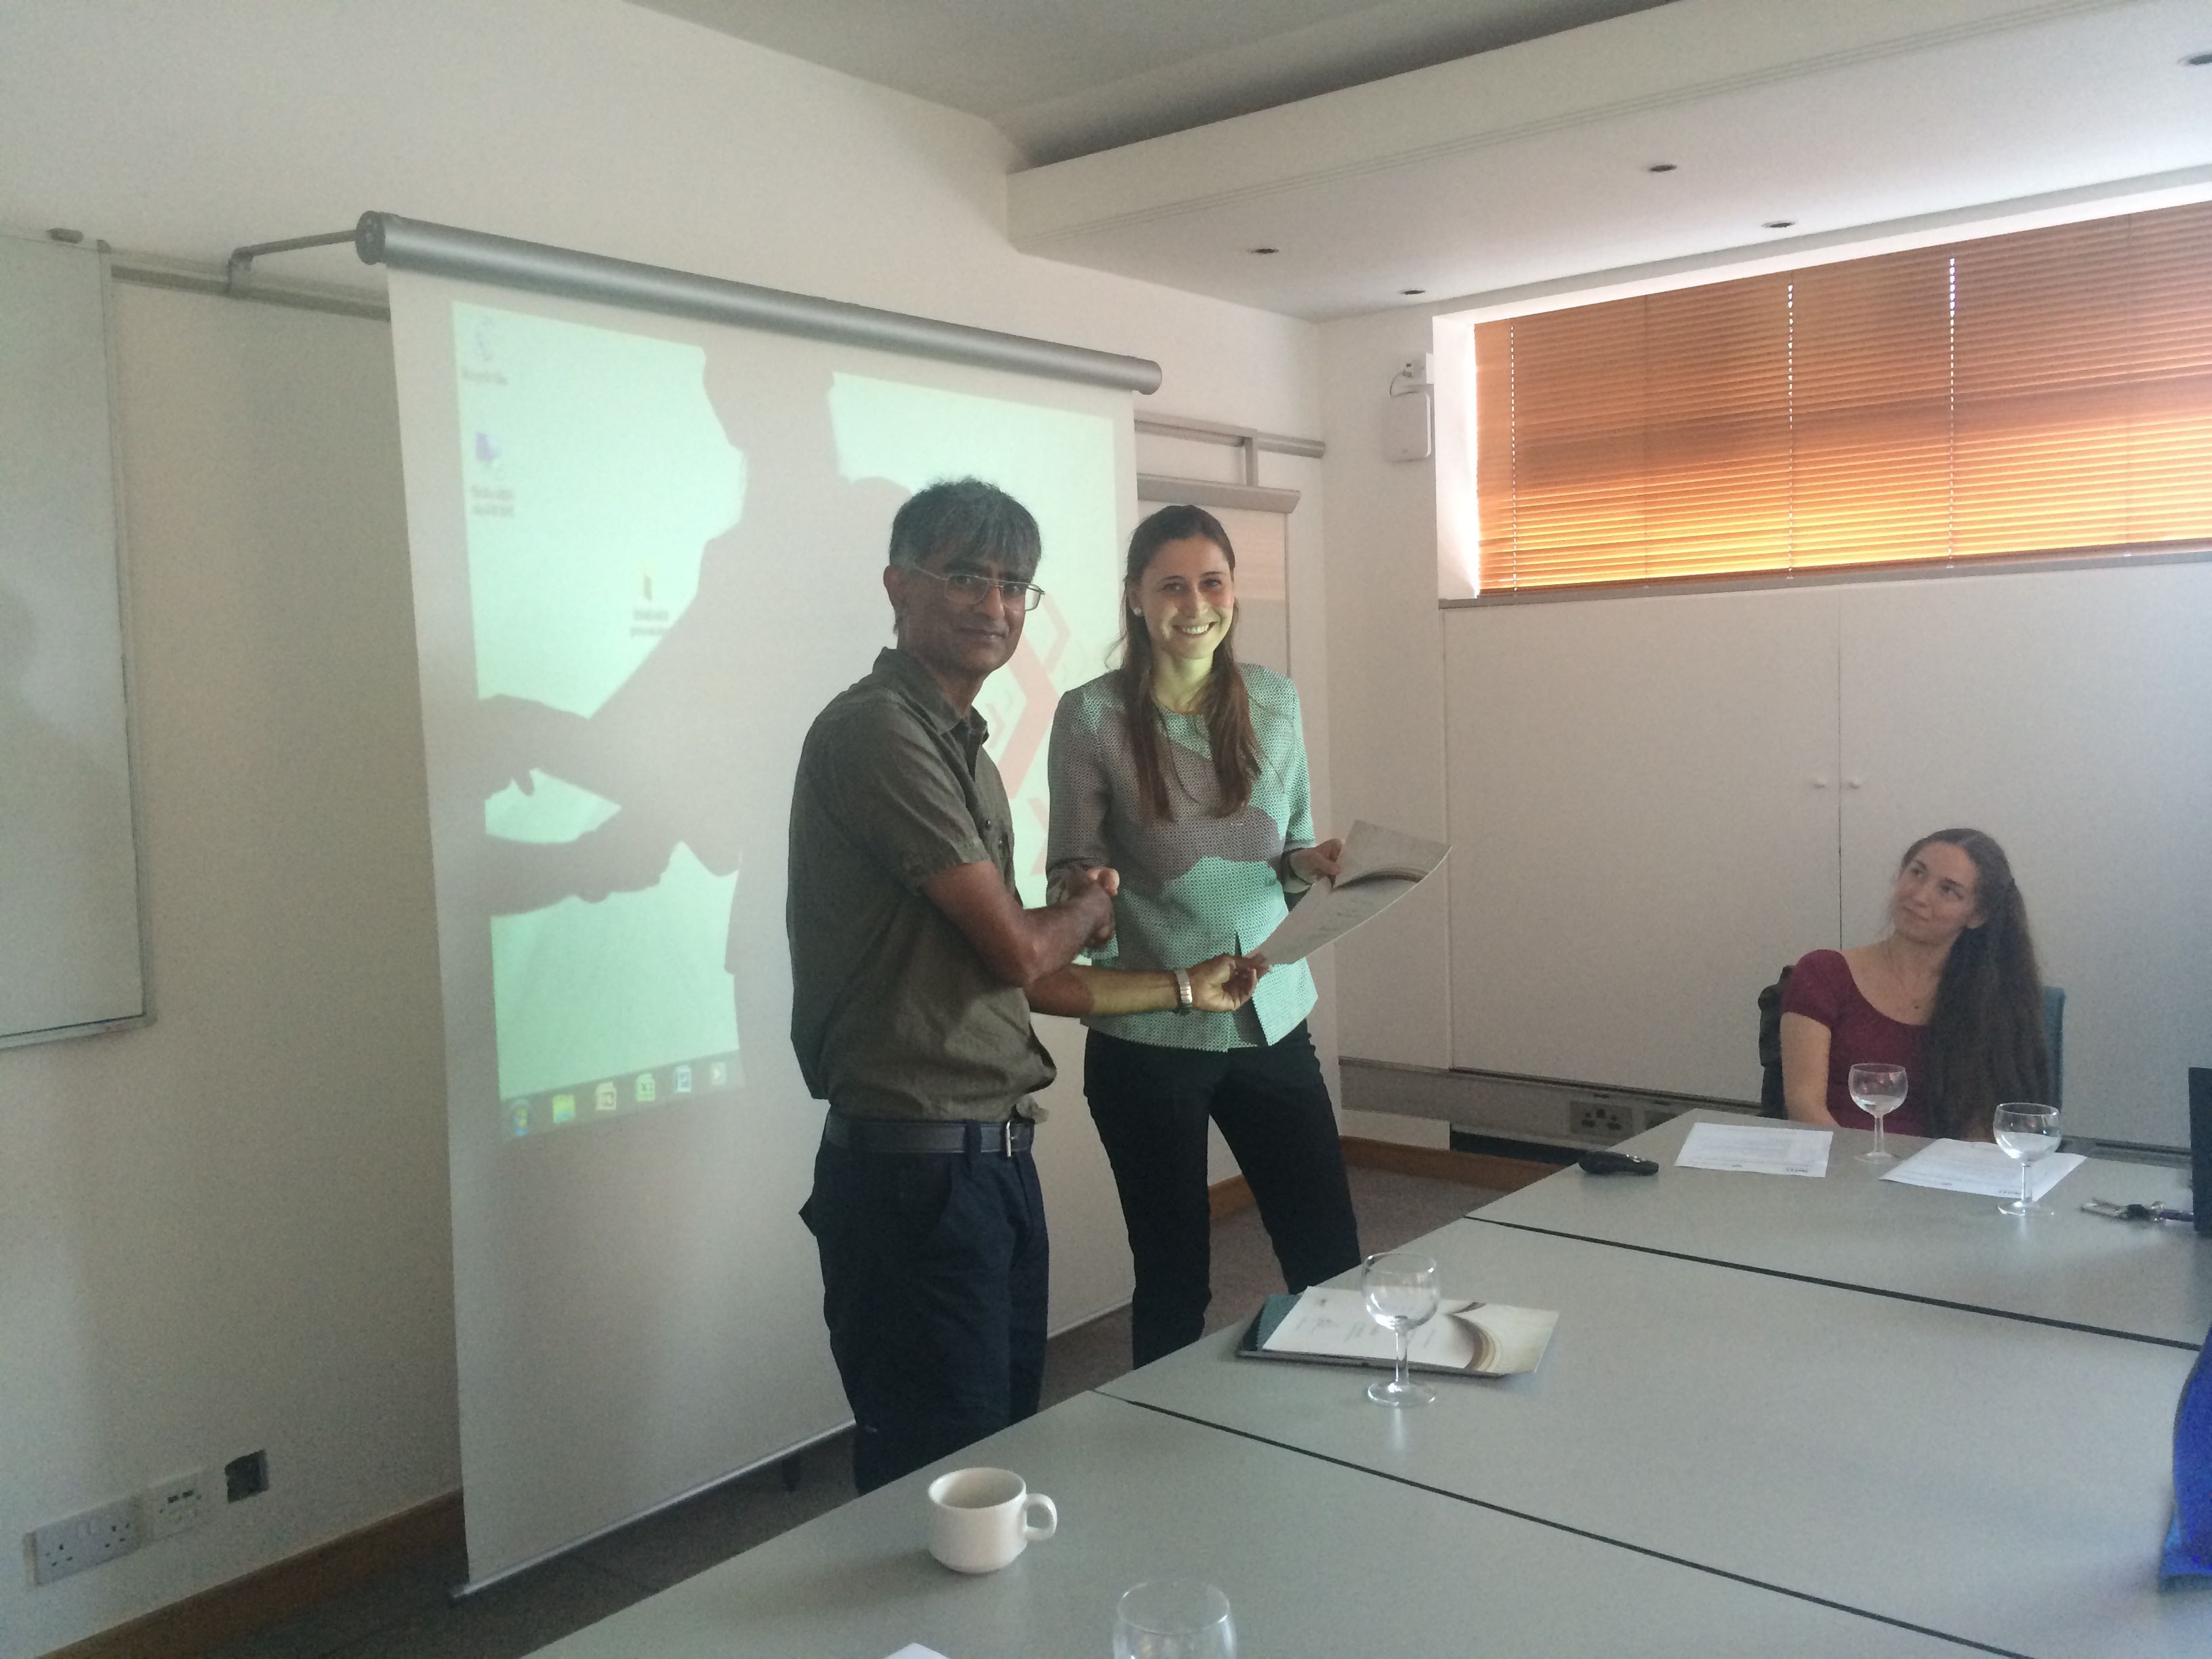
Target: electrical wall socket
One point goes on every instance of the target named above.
(1594, 1120)
(177, 1504)
(84, 1540)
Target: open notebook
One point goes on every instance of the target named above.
(1466, 1338)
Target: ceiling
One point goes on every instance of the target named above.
(1489, 148)
(1069, 77)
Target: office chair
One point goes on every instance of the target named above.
(1770, 1049)
(2054, 1033)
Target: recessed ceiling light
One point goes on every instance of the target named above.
(1412, 290)
(1780, 224)
(1266, 250)
(2198, 59)
(1661, 167)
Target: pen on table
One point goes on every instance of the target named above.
(2137, 1212)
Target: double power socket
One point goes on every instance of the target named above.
(163, 1510)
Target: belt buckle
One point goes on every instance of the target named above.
(1008, 1134)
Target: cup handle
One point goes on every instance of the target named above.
(1031, 1532)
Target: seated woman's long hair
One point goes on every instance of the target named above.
(1986, 1041)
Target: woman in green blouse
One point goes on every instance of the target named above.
(1201, 803)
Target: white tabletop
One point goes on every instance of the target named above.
(2151, 1280)
(1983, 1477)
(1315, 1559)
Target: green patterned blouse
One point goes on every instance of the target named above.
(1196, 884)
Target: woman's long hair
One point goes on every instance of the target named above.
(1985, 1042)
(1227, 710)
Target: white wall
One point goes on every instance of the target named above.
(229, 1230)
(1386, 706)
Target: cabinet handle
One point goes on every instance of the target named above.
(1854, 783)
(1818, 783)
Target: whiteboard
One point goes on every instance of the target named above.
(70, 958)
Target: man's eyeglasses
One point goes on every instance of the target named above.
(971, 589)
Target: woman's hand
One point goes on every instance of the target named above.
(1311, 864)
(1223, 984)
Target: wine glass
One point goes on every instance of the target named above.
(1173, 1619)
(1401, 1289)
(1877, 1091)
(2029, 1134)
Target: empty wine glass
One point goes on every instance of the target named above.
(1173, 1619)
(2029, 1134)
(1401, 1289)
(1877, 1091)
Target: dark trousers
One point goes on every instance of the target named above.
(933, 1269)
(1152, 1105)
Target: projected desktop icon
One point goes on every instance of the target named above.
(604, 1099)
(518, 1117)
(717, 1074)
(564, 1109)
(645, 1090)
(684, 1079)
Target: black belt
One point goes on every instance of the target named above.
(1003, 1137)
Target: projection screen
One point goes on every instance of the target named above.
(645, 551)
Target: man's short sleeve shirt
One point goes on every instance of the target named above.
(893, 1014)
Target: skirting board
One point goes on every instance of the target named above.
(1551, 1111)
(279, 1590)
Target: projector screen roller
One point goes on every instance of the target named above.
(647, 551)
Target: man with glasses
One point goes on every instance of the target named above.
(914, 970)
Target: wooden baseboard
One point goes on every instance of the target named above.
(276, 1592)
(1505, 1175)
(1228, 1197)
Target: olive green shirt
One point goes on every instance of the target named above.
(892, 1012)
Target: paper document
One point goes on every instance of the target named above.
(1379, 868)
(1755, 1151)
(1977, 1166)
(915, 1651)
(1477, 1338)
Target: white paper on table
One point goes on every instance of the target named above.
(1379, 868)
(915, 1651)
(1755, 1151)
(1978, 1166)
(1489, 1338)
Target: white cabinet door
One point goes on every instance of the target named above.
(2068, 714)
(1643, 816)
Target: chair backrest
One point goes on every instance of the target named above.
(1770, 1049)
(2200, 1149)
(2054, 1033)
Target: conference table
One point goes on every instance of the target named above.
(1927, 1438)
(1316, 1559)
(2152, 1280)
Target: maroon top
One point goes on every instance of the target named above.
(1822, 988)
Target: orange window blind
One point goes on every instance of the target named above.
(2044, 393)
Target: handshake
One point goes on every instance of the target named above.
(1220, 984)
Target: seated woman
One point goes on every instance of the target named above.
(1951, 993)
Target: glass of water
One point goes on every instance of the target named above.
(1877, 1091)
(1173, 1619)
(2029, 1134)
(1401, 1289)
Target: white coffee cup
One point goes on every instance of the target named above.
(980, 1519)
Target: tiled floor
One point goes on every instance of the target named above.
(407, 1615)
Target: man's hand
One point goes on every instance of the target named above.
(1311, 864)
(1223, 984)
(1074, 887)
